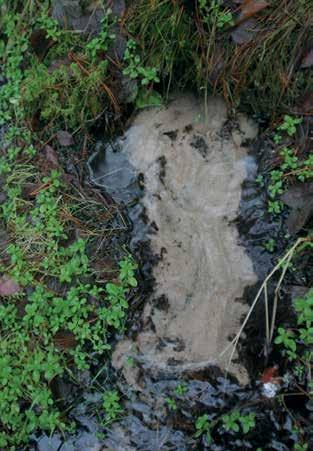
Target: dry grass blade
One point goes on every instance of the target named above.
(282, 264)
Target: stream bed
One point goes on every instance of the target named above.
(192, 170)
(186, 177)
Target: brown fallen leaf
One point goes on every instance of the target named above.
(249, 8)
(307, 60)
(51, 157)
(300, 199)
(31, 189)
(40, 43)
(270, 375)
(8, 286)
(305, 104)
(65, 138)
(64, 339)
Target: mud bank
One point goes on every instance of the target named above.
(192, 166)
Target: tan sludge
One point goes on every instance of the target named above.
(193, 168)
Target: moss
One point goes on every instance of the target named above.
(68, 95)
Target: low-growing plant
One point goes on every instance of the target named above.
(301, 447)
(215, 15)
(58, 317)
(104, 39)
(236, 421)
(270, 245)
(135, 68)
(49, 25)
(287, 339)
(111, 406)
(181, 389)
(290, 160)
(78, 307)
(289, 124)
(260, 180)
(127, 272)
(296, 343)
(11, 55)
(203, 427)
(171, 403)
(68, 87)
(290, 166)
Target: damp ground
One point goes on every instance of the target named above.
(187, 184)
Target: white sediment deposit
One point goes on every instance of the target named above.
(193, 168)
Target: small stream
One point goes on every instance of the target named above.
(191, 169)
(187, 181)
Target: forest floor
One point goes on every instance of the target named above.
(70, 285)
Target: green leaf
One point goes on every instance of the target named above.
(133, 282)
(147, 98)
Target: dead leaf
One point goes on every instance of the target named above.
(270, 375)
(51, 157)
(8, 286)
(249, 8)
(307, 60)
(245, 32)
(300, 199)
(65, 138)
(31, 189)
(305, 105)
(64, 339)
(40, 43)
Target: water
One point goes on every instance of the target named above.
(192, 168)
(187, 183)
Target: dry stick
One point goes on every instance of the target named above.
(235, 341)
